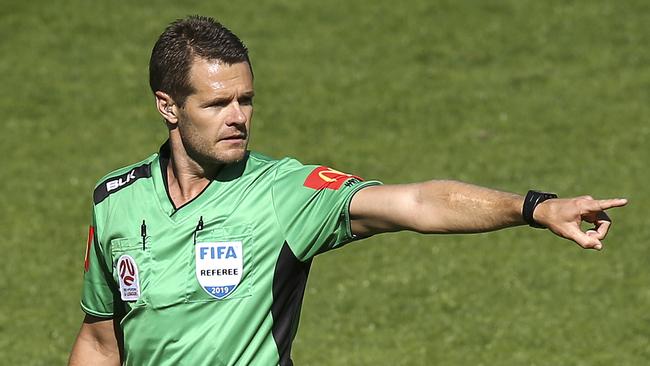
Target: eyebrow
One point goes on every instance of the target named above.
(248, 94)
(217, 100)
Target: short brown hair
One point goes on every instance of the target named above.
(180, 43)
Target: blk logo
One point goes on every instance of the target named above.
(117, 183)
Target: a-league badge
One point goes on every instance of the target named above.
(129, 279)
(219, 267)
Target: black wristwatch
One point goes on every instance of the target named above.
(534, 198)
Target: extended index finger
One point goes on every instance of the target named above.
(611, 203)
(601, 205)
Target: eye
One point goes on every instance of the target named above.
(246, 101)
(220, 103)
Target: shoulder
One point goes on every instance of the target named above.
(291, 172)
(261, 159)
(289, 165)
(122, 178)
(258, 161)
(286, 171)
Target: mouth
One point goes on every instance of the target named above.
(234, 138)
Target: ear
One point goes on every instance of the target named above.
(166, 107)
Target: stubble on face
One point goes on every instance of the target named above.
(214, 122)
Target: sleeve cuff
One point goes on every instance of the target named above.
(346, 210)
(94, 313)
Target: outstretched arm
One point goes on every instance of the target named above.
(443, 206)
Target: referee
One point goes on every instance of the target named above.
(199, 254)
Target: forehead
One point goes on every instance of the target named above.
(214, 76)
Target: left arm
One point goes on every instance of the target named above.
(442, 206)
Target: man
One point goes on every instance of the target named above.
(199, 254)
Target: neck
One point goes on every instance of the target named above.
(186, 176)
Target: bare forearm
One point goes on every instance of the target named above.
(438, 206)
(87, 352)
(444, 206)
(96, 344)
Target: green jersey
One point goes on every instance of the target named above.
(220, 280)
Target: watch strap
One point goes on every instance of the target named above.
(532, 199)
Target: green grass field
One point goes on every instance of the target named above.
(509, 94)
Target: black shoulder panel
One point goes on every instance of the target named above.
(114, 184)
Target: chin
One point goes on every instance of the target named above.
(232, 156)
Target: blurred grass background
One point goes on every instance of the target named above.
(510, 94)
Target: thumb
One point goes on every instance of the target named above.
(584, 240)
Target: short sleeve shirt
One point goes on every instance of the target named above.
(220, 280)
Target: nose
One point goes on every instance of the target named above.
(237, 115)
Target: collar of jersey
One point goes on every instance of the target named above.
(209, 194)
